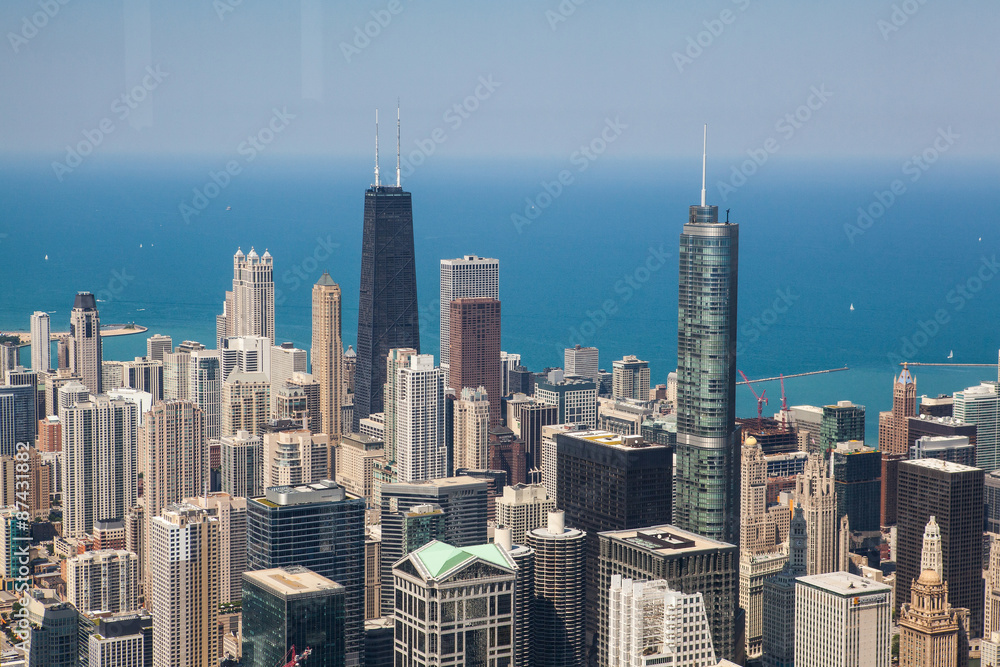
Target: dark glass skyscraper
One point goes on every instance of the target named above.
(387, 309)
(708, 445)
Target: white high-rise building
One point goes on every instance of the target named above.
(630, 378)
(466, 277)
(842, 620)
(508, 361)
(105, 580)
(157, 346)
(292, 458)
(814, 492)
(286, 359)
(184, 596)
(981, 406)
(582, 361)
(100, 458)
(177, 370)
(650, 624)
(249, 309)
(522, 508)
(245, 403)
(472, 426)
(249, 354)
(41, 348)
(419, 440)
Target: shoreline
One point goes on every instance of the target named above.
(25, 336)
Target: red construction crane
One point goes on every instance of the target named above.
(296, 659)
(761, 400)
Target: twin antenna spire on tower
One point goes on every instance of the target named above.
(377, 183)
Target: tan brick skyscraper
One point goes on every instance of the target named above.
(893, 426)
(327, 353)
(475, 349)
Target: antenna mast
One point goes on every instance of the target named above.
(376, 148)
(704, 151)
(397, 142)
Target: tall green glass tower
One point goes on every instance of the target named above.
(707, 500)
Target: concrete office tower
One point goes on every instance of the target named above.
(468, 277)
(327, 355)
(558, 612)
(247, 354)
(581, 362)
(176, 461)
(778, 626)
(526, 417)
(387, 304)
(463, 500)
(292, 608)
(630, 378)
(295, 457)
(932, 632)
(708, 444)
(610, 482)
(955, 448)
(576, 400)
(472, 425)
(690, 564)
(842, 422)
(246, 403)
(991, 612)
(184, 596)
(249, 309)
(356, 464)
(981, 406)
(9, 358)
(508, 362)
(475, 350)
(41, 348)
(205, 388)
(953, 494)
(480, 579)
(112, 375)
(286, 360)
(105, 580)
(842, 620)
(419, 440)
(396, 359)
(298, 399)
(650, 624)
(157, 346)
(177, 370)
(52, 634)
(85, 354)
(523, 508)
(319, 526)
(242, 465)
(232, 515)
(100, 461)
(116, 640)
(145, 375)
(815, 493)
(893, 426)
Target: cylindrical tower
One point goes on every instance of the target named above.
(524, 586)
(558, 621)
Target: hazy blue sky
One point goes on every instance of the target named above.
(561, 74)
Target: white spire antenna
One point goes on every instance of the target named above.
(376, 148)
(397, 142)
(704, 152)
